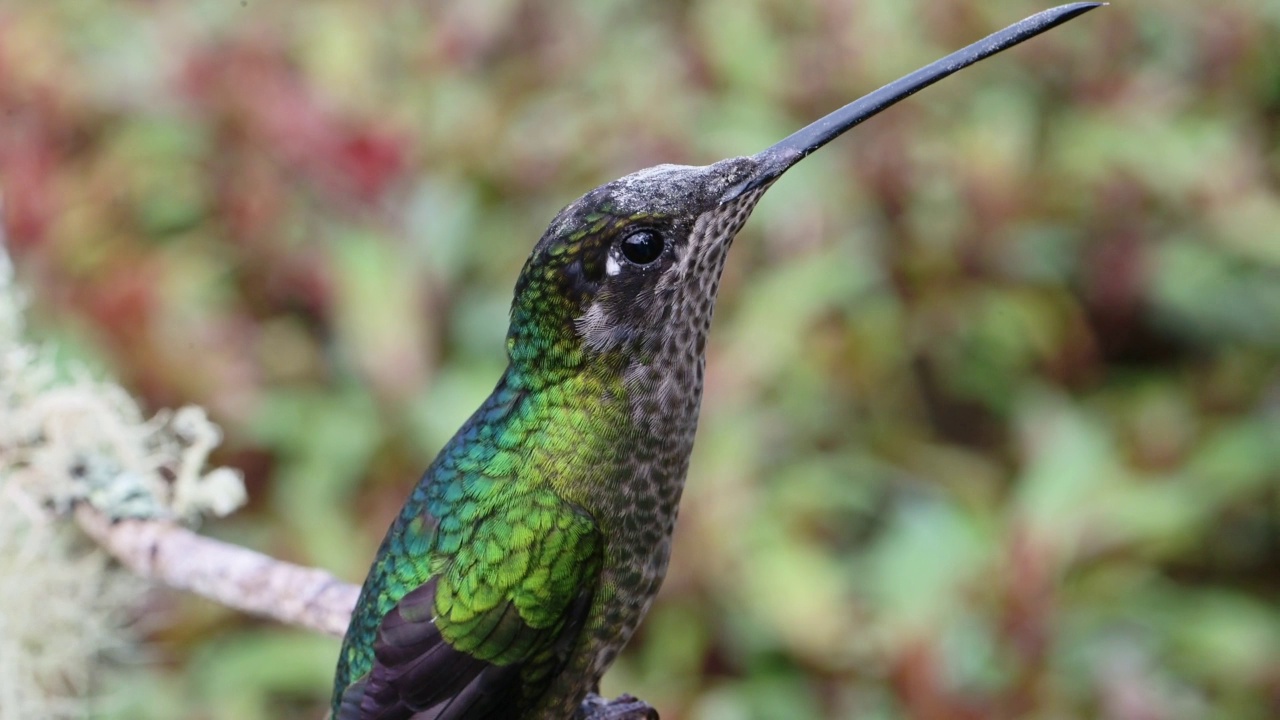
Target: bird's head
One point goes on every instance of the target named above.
(628, 273)
(633, 265)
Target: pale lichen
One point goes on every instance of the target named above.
(67, 439)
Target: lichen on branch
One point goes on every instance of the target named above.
(66, 440)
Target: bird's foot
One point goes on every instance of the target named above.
(623, 707)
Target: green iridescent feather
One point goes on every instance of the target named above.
(498, 522)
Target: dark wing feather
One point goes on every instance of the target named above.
(418, 674)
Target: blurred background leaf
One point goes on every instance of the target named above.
(993, 405)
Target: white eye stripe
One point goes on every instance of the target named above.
(611, 265)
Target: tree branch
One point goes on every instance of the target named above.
(234, 576)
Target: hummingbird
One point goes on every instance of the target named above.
(534, 544)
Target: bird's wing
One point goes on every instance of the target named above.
(496, 621)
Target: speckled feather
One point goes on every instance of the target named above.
(531, 549)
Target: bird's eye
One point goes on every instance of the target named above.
(642, 247)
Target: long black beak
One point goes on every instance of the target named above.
(775, 160)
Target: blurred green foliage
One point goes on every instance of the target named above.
(992, 423)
